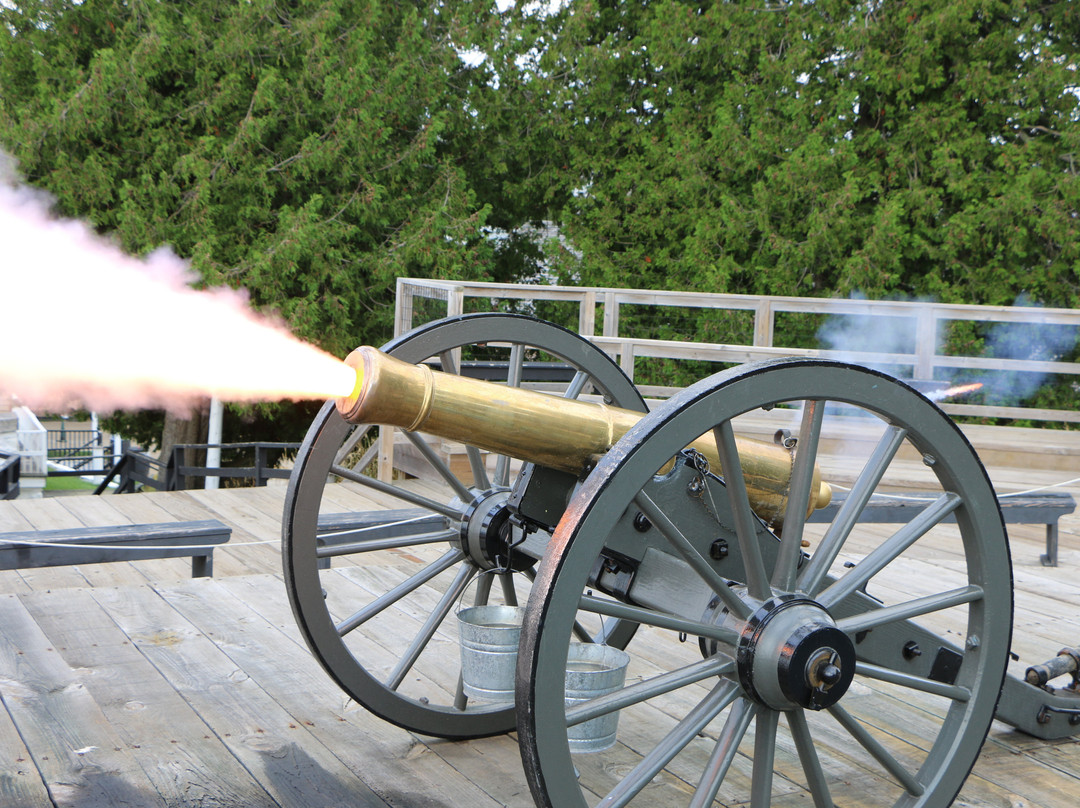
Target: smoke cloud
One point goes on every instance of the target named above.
(86, 324)
(855, 334)
(1027, 341)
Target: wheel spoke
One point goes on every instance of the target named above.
(878, 558)
(506, 580)
(410, 584)
(355, 436)
(394, 491)
(764, 758)
(483, 590)
(648, 688)
(448, 362)
(391, 543)
(501, 476)
(876, 750)
(808, 757)
(954, 692)
(802, 477)
(689, 553)
(439, 465)
(476, 465)
(516, 365)
(723, 694)
(723, 754)
(813, 575)
(757, 579)
(577, 385)
(907, 610)
(431, 625)
(647, 617)
(461, 701)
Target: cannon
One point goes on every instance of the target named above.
(686, 635)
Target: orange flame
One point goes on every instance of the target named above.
(952, 392)
(84, 322)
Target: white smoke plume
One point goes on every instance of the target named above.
(853, 335)
(83, 323)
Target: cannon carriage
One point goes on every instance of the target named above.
(749, 643)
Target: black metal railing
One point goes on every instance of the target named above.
(9, 475)
(136, 470)
(78, 450)
(264, 457)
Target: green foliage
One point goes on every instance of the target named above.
(817, 148)
(309, 152)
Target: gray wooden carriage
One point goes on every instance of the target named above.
(744, 627)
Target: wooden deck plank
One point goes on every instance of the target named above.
(82, 760)
(21, 785)
(181, 756)
(391, 761)
(242, 510)
(493, 764)
(290, 759)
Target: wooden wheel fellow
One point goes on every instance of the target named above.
(381, 620)
(820, 664)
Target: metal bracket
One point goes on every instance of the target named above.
(613, 574)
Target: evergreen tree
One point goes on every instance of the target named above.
(307, 151)
(822, 148)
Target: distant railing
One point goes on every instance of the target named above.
(922, 329)
(136, 470)
(179, 472)
(133, 471)
(9, 474)
(80, 451)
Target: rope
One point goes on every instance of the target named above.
(1000, 496)
(1042, 488)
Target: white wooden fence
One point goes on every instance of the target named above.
(923, 324)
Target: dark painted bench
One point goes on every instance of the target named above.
(1030, 509)
(96, 545)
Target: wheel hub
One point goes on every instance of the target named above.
(487, 534)
(791, 654)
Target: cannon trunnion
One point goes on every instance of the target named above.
(759, 656)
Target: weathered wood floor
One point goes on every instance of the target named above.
(134, 685)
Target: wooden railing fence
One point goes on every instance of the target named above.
(924, 355)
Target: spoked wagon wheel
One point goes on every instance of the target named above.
(834, 664)
(381, 620)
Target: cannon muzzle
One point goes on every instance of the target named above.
(558, 433)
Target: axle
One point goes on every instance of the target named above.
(558, 433)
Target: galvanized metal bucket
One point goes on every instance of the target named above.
(489, 645)
(591, 671)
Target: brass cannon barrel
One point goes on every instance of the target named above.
(550, 431)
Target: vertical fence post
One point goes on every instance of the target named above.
(260, 465)
(213, 438)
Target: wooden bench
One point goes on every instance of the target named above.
(1029, 509)
(96, 545)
